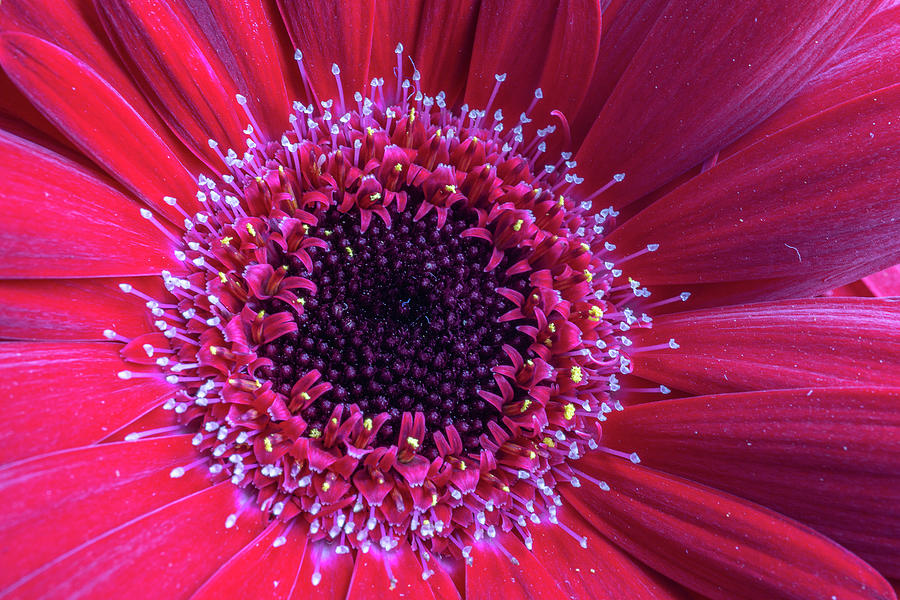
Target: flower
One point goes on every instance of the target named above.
(497, 308)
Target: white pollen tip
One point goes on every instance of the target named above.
(146, 213)
(500, 78)
(652, 247)
(298, 55)
(398, 49)
(230, 521)
(169, 200)
(242, 100)
(538, 93)
(124, 374)
(619, 176)
(109, 334)
(316, 578)
(279, 541)
(132, 437)
(633, 457)
(335, 70)
(176, 472)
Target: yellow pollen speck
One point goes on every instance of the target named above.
(596, 313)
(413, 442)
(226, 240)
(327, 232)
(250, 230)
(462, 466)
(315, 433)
(398, 167)
(305, 228)
(548, 342)
(585, 247)
(301, 300)
(334, 420)
(529, 362)
(258, 179)
(261, 314)
(267, 442)
(576, 374)
(450, 189)
(367, 424)
(552, 327)
(548, 441)
(505, 488)
(370, 130)
(518, 225)
(222, 277)
(349, 251)
(561, 201)
(412, 114)
(281, 169)
(213, 350)
(375, 196)
(257, 383)
(588, 275)
(525, 405)
(326, 486)
(532, 454)
(304, 395)
(570, 411)
(434, 499)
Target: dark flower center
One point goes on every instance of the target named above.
(405, 318)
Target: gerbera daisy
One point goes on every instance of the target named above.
(450, 299)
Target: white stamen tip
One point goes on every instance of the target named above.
(279, 541)
(109, 334)
(242, 100)
(316, 578)
(176, 472)
(398, 49)
(633, 457)
(132, 437)
(335, 70)
(619, 176)
(124, 374)
(500, 78)
(298, 55)
(146, 213)
(230, 521)
(652, 247)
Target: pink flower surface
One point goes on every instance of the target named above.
(450, 299)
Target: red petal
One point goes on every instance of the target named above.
(73, 309)
(335, 570)
(187, 540)
(331, 33)
(57, 502)
(869, 62)
(76, 99)
(182, 75)
(829, 458)
(63, 395)
(713, 543)
(393, 29)
(704, 76)
(493, 574)
(397, 574)
(260, 570)
(786, 344)
(538, 44)
(884, 283)
(60, 221)
(444, 46)
(754, 215)
(601, 571)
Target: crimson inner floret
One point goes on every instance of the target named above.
(405, 318)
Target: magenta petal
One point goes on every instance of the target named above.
(704, 76)
(182, 75)
(537, 44)
(74, 97)
(829, 458)
(493, 575)
(444, 45)
(785, 344)
(397, 574)
(59, 220)
(392, 30)
(598, 570)
(186, 540)
(333, 33)
(716, 544)
(67, 395)
(260, 570)
(73, 309)
(54, 503)
(754, 215)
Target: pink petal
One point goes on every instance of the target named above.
(63, 395)
(61, 221)
(73, 309)
(182, 75)
(884, 283)
(600, 571)
(704, 76)
(260, 570)
(869, 62)
(829, 458)
(330, 33)
(493, 575)
(756, 215)
(55, 503)
(397, 574)
(335, 571)
(716, 544)
(537, 44)
(76, 99)
(785, 344)
(444, 45)
(186, 540)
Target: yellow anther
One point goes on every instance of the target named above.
(304, 395)
(548, 342)
(412, 114)
(451, 189)
(552, 327)
(301, 301)
(305, 228)
(548, 441)
(398, 167)
(525, 405)
(267, 442)
(532, 454)
(588, 275)
(258, 179)
(367, 424)
(505, 488)
(328, 232)
(375, 196)
(281, 169)
(576, 374)
(462, 466)
(326, 486)
(257, 383)
(585, 247)
(284, 268)
(570, 411)
(315, 433)
(334, 420)
(250, 230)
(226, 240)
(370, 130)
(222, 277)
(261, 314)
(595, 313)
(349, 251)
(413, 442)
(529, 362)
(518, 225)
(213, 350)
(434, 499)
(561, 201)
